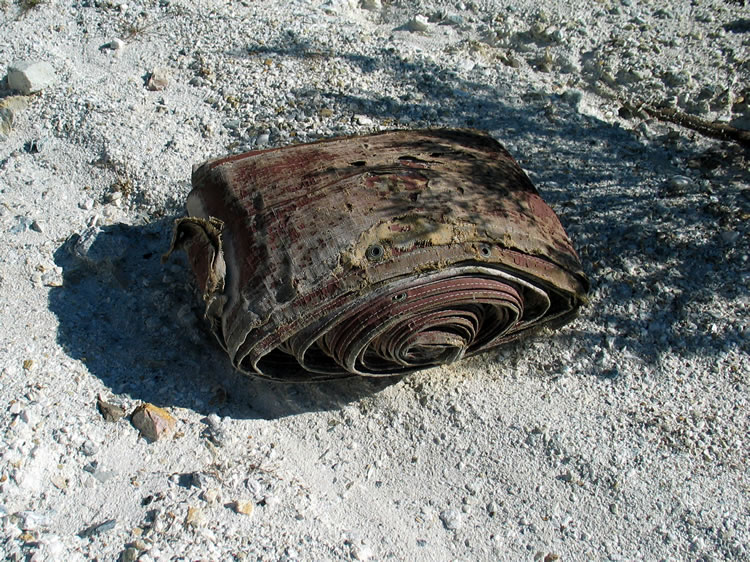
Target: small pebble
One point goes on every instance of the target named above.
(114, 45)
(98, 528)
(418, 24)
(53, 278)
(31, 415)
(102, 475)
(362, 552)
(153, 422)
(573, 97)
(195, 517)
(452, 519)
(372, 5)
(676, 78)
(473, 487)
(35, 146)
(729, 236)
(215, 431)
(678, 185)
(130, 554)
(22, 225)
(88, 448)
(271, 500)
(200, 480)
(31, 521)
(158, 80)
(254, 487)
(110, 412)
(59, 482)
(210, 495)
(245, 507)
(697, 544)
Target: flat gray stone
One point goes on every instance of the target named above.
(28, 77)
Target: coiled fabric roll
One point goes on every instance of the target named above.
(374, 255)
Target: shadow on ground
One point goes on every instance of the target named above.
(137, 325)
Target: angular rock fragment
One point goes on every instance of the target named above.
(158, 80)
(371, 5)
(98, 528)
(130, 554)
(153, 422)
(116, 45)
(418, 23)
(110, 412)
(28, 77)
(245, 507)
(6, 120)
(375, 255)
(195, 517)
(15, 103)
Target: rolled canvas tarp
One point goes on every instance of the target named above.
(374, 255)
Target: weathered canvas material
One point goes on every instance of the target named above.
(375, 255)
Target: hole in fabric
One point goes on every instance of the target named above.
(358, 163)
(485, 251)
(375, 252)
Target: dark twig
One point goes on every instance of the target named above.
(721, 131)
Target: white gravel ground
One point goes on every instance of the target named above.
(623, 436)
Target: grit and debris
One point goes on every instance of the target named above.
(622, 436)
